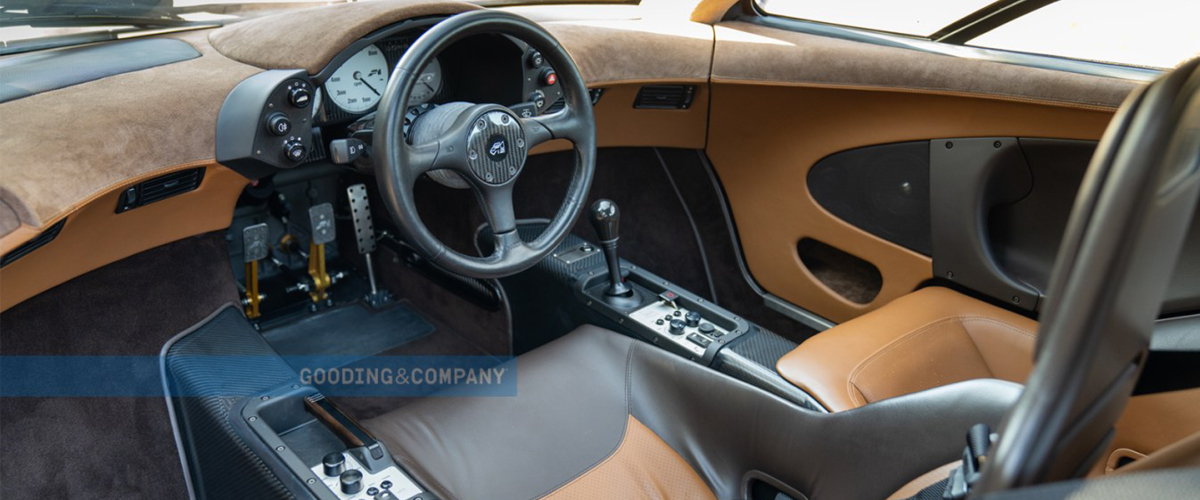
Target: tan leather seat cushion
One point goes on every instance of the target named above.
(928, 338)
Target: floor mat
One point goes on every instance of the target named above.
(350, 332)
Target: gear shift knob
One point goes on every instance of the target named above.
(606, 220)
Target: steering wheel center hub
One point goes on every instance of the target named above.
(496, 148)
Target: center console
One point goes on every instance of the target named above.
(587, 282)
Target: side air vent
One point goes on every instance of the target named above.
(45, 237)
(160, 188)
(665, 97)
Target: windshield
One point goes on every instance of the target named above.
(36, 24)
(32, 24)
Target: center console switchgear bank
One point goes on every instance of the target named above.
(313, 447)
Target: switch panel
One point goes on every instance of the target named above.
(389, 479)
(659, 316)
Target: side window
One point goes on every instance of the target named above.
(906, 17)
(1146, 33)
(1153, 33)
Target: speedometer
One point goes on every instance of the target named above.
(358, 83)
(428, 83)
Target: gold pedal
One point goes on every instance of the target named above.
(323, 231)
(254, 249)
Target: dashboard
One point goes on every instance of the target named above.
(264, 126)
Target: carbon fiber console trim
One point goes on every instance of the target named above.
(217, 463)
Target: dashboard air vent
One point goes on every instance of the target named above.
(45, 237)
(665, 96)
(160, 188)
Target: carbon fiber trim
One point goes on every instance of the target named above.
(529, 230)
(496, 147)
(221, 360)
(763, 347)
(751, 359)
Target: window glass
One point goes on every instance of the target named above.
(910, 17)
(1155, 33)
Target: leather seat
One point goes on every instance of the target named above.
(928, 338)
(600, 415)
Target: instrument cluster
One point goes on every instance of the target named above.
(482, 69)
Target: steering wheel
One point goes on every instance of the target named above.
(485, 144)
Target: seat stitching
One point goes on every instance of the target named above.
(916, 333)
(624, 431)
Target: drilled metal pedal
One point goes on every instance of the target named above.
(360, 212)
(364, 236)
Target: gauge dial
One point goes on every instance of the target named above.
(357, 85)
(428, 84)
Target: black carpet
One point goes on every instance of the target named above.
(106, 447)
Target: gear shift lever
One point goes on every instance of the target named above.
(606, 220)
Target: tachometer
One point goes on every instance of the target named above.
(428, 84)
(358, 83)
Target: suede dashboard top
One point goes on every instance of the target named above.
(66, 147)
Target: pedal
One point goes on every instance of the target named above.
(323, 231)
(364, 235)
(254, 249)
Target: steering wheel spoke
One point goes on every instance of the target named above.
(565, 124)
(498, 208)
(424, 157)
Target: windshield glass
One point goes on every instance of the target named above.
(25, 21)
(34, 24)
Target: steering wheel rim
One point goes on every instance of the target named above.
(486, 144)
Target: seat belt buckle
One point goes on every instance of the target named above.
(979, 441)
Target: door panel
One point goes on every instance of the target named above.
(766, 134)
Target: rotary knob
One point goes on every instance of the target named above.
(351, 482)
(295, 150)
(538, 98)
(334, 464)
(676, 327)
(692, 318)
(535, 59)
(300, 97)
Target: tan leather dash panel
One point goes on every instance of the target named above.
(95, 235)
(643, 467)
(764, 138)
(619, 124)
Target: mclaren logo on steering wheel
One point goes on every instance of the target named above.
(498, 149)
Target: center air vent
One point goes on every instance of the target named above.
(160, 188)
(665, 96)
